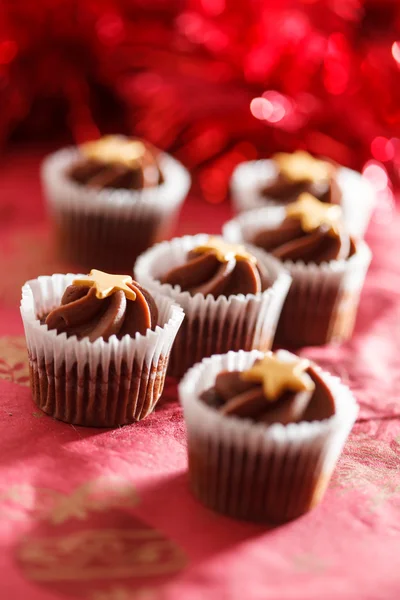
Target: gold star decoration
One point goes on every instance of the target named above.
(114, 149)
(223, 251)
(301, 166)
(107, 284)
(312, 214)
(278, 376)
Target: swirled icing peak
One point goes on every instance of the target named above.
(103, 305)
(116, 161)
(273, 393)
(220, 269)
(312, 232)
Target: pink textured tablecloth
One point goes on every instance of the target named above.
(107, 515)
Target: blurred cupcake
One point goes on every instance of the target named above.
(98, 347)
(328, 267)
(111, 199)
(280, 180)
(232, 296)
(264, 433)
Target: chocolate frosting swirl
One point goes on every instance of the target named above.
(284, 190)
(289, 241)
(82, 314)
(232, 396)
(205, 274)
(142, 173)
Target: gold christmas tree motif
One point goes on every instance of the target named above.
(123, 593)
(114, 149)
(93, 496)
(223, 251)
(99, 554)
(277, 375)
(14, 360)
(313, 214)
(106, 284)
(22, 501)
(301, 166)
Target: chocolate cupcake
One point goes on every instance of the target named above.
(328, 267)
(300, 172)
(264, 433)
(111, 199)
(98, 347)
(232, 295)
(280, 180)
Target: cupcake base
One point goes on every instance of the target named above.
(198, 338)
(105, 242)
(283, 486)
(322, 302)
(250, 471)
(108, 398)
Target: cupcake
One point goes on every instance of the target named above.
(232, 295)
(300, 172)
(264, 433)
(98, 347)
(111, 199)
(328, 267)
(280, 180)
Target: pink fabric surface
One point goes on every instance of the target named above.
(107, 515)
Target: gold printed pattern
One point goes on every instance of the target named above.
(309, 563)
(14, 360)
(370, 466)
(122, 593)
(94, 496)
(100, 554)
(20, 501)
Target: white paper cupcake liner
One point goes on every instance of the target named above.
(108, 228)
(323, 300)
(214, 325)
(253, 472)
(358, 196)
(99, 383)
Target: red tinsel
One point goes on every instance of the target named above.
(323, 75)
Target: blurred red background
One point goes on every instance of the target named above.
(214, 82)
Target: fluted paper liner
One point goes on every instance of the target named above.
(358, 197)
(214, 325)
(323, 300)
(99, 383)
(255, 472)
(108, 228)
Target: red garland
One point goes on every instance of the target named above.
(323, 75)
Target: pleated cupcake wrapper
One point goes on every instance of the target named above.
(322, 302)
(108, 225)
(253, 472)
(214, 325)
(358, 197)
(97, 383)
